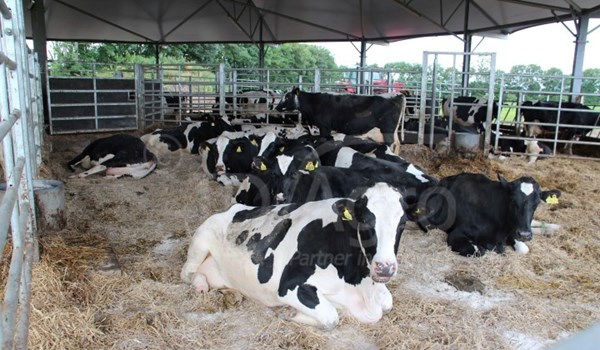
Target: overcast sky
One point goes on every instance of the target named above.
(549, 46)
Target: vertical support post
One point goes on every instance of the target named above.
(38, 28)
(221, 82)
(317, 86)
(490, 104)
(363, 62)
(140, 89)
(580, 43)
(468, 38)
(422, 103)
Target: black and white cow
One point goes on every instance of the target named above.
(187, 137)
(118, 155)
(228, 158)
(468, 111)
(249, 102)
(264, 185)
(480, 214)
(348, 114)
(311, 258)
(407, 177)
(580, 118)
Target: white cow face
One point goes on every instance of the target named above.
(380, 220)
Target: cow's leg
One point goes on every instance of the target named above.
(366, 302)
(95, 169)
(197, 254)
(462, 244)
(137, 171)
(322, 315)
(208, 276)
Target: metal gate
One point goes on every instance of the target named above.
(91, 97)
(455, 82)
(21, 120)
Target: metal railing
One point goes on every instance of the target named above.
(21, 121)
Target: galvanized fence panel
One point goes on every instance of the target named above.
(20, 120)
(516, 89)
(99, 98)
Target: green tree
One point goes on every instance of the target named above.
(591, 85)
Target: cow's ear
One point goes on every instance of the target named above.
(551, 196)
(205, 146)
(258, 163)
(344, 208)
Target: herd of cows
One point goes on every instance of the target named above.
(317, 220)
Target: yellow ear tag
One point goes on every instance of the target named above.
(254, 142)
(310, 166)
(316, 165)
(207, 148)
(281, 149)
(553, 199)
(346, 215)
(239, 149)
(263, 167)
(417, 211)
(212, 124)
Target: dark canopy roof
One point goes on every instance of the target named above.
(238, 21)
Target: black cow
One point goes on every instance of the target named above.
(174, 101)
(578, 119)
(118, 155)
(188, 136)
(468, 111)
(348, 114)
(480, 214)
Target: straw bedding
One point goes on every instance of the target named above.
(110, 279)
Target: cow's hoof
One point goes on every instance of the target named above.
(329, 325)
(199, 282)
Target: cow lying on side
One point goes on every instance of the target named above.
(186, 137)
(480, 214)
(348, 114)
(119, 155)
(314, 257)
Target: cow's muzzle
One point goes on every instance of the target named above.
(524, 235)
(220, 169)
(383, 271)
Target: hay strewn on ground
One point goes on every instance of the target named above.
(110, 279)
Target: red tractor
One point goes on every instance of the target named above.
(377, 84)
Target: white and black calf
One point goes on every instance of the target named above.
(119, 155)
(348, 114)
(312, 258)
(264, 185)
(187, 137)
(480, 214)
(468, 111)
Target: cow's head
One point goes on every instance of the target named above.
(280, 169)
(525, 196)
(379, 218)
(289, 101)
(227, 155)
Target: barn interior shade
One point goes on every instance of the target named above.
(273, 21)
